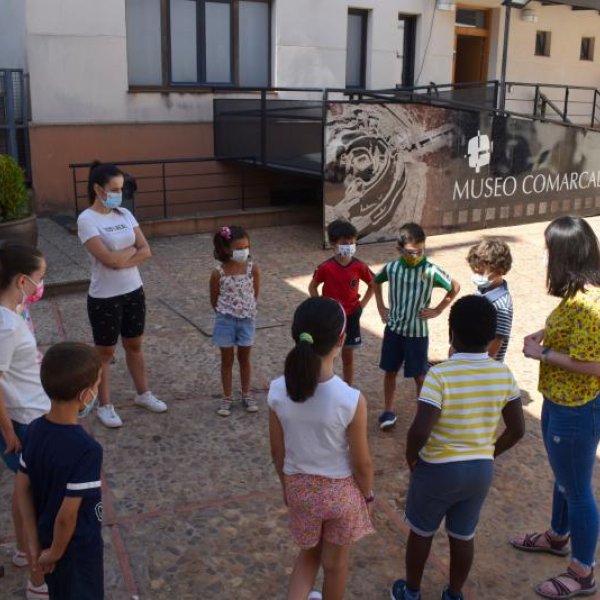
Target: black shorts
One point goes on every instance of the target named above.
(123, 315)
(77, 575)
(353, 337)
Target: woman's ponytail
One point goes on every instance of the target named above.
(317, 328)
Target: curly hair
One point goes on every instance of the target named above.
(492, 255)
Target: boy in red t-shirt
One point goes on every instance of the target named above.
(341, 276)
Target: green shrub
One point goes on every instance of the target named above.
(14, 202)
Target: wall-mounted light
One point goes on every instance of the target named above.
(516, 3)
(449, 5)
(529, 15)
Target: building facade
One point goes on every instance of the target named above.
(135, 79)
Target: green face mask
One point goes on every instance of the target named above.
(412, 261)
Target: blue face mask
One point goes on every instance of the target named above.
(113, 200)
(88, 408)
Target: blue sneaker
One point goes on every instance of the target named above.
(398, 591)
(387, 420)
(446, 595)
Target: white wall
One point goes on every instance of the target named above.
(12, 34)
(78, 60)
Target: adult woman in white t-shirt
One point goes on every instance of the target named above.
(22, 398)
(116, 302)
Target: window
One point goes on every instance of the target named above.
(587, 48)
(199, 42)
(542, 43)
(356, 49)
(470, 18)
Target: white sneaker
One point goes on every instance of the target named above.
(151, 402)
(314, 595)
(36, 592)
(19, 558)
(108, 416)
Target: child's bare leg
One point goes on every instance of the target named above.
(389, 389)
(461, 559)
(243, 355)
(305, 572)
(417, 552)
(419, 379)
(227, 357)
(36, 578)
(335, 561)
(348, 364)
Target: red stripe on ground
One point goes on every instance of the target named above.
(117, 540)
(188, 508)
(469, 591)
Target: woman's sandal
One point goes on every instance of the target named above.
(587, 586)
(531, 543)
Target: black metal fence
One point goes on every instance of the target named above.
(14, 117)
(283, 134)
(179, 187)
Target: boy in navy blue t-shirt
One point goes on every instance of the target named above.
(58, 484)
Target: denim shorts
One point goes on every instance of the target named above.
(12, 460)
(232, 331)
(454, 490)
(397, 350)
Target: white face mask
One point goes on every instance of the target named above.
(481, 281)
(346, 249)
(240, 255)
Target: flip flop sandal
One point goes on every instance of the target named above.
(530, 544)
(587, 586)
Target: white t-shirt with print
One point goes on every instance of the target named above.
(116, 230)
(24, 397)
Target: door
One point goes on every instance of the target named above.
(405, 50)
(472, 43)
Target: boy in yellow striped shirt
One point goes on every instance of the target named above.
(451, 445)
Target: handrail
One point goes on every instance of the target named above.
(547, 102)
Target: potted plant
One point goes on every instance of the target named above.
(16, 219)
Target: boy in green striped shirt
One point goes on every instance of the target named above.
(411, 279)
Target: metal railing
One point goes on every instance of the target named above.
(168, 187)
(14, 117)
(572, 104)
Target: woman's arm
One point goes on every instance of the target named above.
(112, 259)
(362, 466)
(256, 280)
(214, 286)
(532, 349)
(13, 445)
(143, 252)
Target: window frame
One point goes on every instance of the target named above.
(591, 48)
(364, 33)
(547, 43)
(169, 85)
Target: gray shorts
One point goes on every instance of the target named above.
(454, 490)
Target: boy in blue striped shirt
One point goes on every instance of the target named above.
(490, 261)
(411, 279)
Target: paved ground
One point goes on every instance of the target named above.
(192, 504)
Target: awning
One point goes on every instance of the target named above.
(577, 4)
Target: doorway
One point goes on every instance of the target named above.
(405, 51)
(471, 45)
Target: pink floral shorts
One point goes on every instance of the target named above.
(330, 509)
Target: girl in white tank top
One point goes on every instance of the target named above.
(318, 432)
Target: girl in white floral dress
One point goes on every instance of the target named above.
(234, 287)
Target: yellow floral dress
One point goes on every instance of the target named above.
(573, 328)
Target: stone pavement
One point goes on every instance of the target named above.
(192, 503)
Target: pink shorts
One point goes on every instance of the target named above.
(330, 509)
